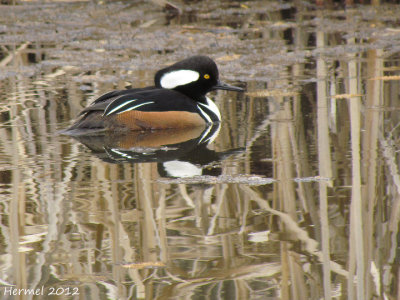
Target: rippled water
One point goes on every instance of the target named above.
(294, 196)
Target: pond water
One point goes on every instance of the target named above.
(295, 195)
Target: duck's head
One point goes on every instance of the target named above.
(194, 76)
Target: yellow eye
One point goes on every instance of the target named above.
(206, 76)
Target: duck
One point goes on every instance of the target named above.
(177, 100)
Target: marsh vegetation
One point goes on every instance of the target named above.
(299, 196)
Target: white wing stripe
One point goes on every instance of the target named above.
(136, 106)
(120, 106)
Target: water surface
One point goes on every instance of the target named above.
(295, 197)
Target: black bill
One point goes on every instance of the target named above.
(223, 86)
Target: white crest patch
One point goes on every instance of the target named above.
(176, 168)
(176, 78)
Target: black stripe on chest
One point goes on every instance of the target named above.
(207, 113)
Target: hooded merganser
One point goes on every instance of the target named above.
(177, 100)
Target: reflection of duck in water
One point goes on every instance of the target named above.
(178, 152)
(178, 100)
